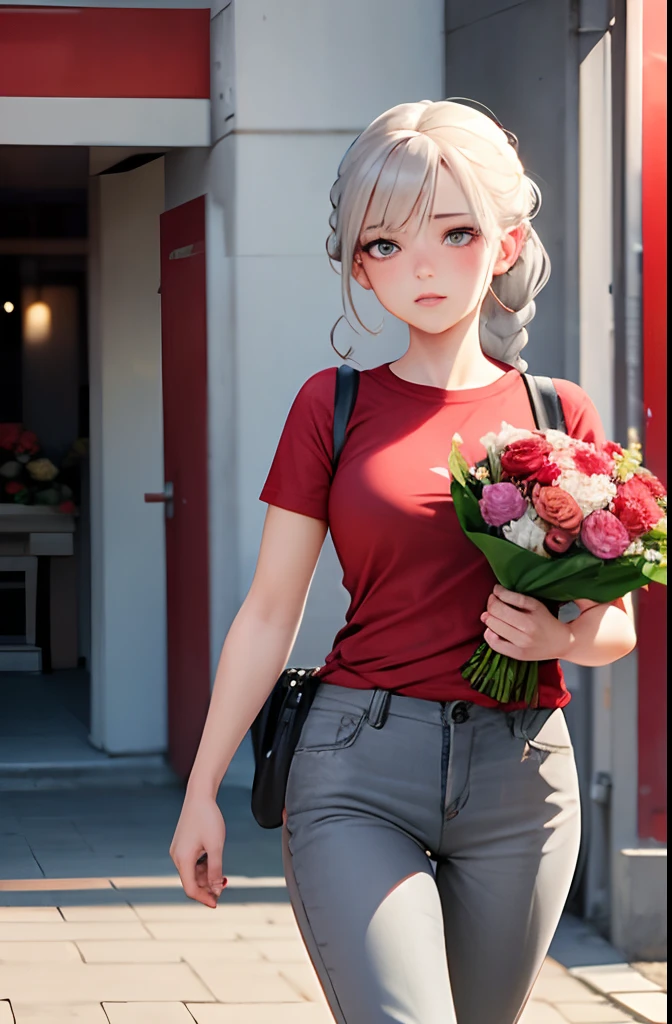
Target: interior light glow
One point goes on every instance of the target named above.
(8, 307)
(37, 322)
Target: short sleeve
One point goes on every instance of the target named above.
(300, 474)
(582, 418)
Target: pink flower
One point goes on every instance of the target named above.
(501, 503)
(604, 535)
(636, 508)
(590, 461)
(656, 487)
(558, 540)
(612, 448)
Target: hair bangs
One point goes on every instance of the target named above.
(405, 187)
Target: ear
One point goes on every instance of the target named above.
(511, 247)
(358, 272)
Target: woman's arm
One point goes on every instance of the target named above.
(253, 656)
(523, 628)
(602, 633)
(259, 641)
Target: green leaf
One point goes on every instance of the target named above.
(655, 572)
(564, 579)
(457, 464)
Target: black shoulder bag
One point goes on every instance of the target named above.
(277, 727)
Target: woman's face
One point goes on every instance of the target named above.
(432, 275)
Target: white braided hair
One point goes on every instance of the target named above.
(393, 165)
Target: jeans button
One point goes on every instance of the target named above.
(460, 713)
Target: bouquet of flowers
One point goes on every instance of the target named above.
(28, 477)
(560, 520)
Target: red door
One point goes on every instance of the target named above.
(652, 624)
(184, 369)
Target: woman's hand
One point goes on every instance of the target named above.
(523, 628)
(197, 849)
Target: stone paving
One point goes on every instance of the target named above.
(94, 928)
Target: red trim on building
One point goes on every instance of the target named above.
(652, 625)
(105, 52)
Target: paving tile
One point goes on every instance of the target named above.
(29, 952)
(99, 913)
(236, 913)
(148, 1013)
(56, 1013)
(268, 931)
(71, 931)
(40, 915)
(603, 1012)
(302, 977)
(84, 983)
(245, 983)
(190, 932)
(651, 1005)
(158, 951)
(240, 1013)
(281, 951)
(537, 1012)
(615, 978)
(562, 989)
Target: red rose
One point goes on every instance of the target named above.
(558, 541)
(592, 462)
(558, 508)
(14, 487)
(27, 443)
(68, 507)
(636, 508)
(548, 473)
(9, 435)
(611, 449)
(523, 458)
(655, 486)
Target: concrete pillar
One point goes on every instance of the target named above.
(294, 84)
(127, 536)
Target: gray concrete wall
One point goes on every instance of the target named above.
(521, 61)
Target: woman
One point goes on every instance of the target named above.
(430, 834)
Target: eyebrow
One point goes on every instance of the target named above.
(437, 216)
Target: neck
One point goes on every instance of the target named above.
(452, 360)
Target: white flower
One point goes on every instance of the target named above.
(651, 555)
(506, 435)
(526, 533)
(589, 492)
(636, 548)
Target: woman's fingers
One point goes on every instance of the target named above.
(507, 632)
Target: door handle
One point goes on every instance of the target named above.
(165, 497)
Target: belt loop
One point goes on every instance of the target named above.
(379, 708)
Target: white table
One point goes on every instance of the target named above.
(26, 533)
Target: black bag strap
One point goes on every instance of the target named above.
(545, 402)
(347, 384)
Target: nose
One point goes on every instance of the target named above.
(423, 267)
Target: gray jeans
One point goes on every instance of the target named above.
(429, 849)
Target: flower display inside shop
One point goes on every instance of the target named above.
(29, 477)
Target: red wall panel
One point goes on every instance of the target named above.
(652, 625)
(105, 52)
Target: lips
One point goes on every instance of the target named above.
(429, 299)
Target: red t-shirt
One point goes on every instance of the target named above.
(417, 586)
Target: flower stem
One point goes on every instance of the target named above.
(502, 678)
